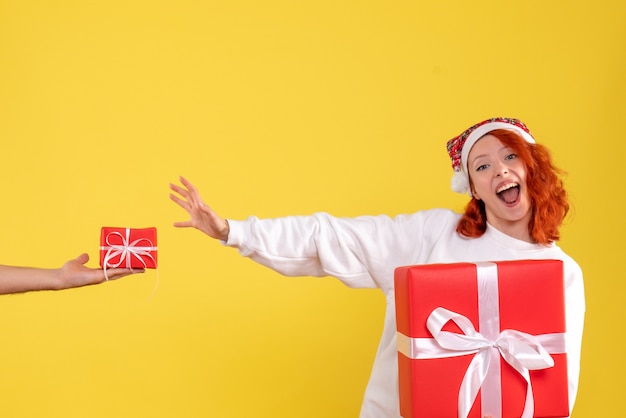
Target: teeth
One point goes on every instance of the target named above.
(506, 187)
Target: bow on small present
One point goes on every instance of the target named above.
(126, 250)
(524, 352)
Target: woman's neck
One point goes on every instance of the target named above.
(516, 229)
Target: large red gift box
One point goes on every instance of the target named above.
(128, 248)
(482, 314)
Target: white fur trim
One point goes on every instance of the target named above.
(460, 182)
(484, 130)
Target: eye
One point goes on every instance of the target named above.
(511, 156)
(482, 167)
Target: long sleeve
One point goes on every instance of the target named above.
(359, 251)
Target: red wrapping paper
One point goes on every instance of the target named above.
(530, 299)
(128, 248)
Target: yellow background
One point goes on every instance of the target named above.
(274, 108)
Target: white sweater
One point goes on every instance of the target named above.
(363, 252)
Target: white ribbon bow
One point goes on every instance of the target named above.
(524, 352)
(126, 250)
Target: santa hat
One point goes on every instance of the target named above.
(460, 146)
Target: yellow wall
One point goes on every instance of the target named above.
(274, 108)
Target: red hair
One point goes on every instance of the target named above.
(548, 198)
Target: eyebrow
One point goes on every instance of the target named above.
(471, 163)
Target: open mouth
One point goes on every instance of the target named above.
(508, 193)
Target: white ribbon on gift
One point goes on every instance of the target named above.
(126, 250)
(524, 352)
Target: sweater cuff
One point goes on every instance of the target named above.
(235, 233)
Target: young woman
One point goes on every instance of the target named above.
(517, 206)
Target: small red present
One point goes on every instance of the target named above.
(128, 248)
(483, 339)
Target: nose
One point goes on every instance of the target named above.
(500, 169)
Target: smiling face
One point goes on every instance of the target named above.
(498, 178)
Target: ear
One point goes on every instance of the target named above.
(473, 190)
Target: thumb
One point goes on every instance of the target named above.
(83, 258)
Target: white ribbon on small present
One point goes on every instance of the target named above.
(524, 352)
(126, 251)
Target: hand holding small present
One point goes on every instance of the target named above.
(203, 218)
(72, 274)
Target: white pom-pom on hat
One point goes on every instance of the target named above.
(460, 183)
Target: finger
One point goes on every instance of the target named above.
(83, 258)
(188, 184)
(182, 203)
(179, 190)
(192, 194)
(118, 273)
(186, 224)
(193, 199)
